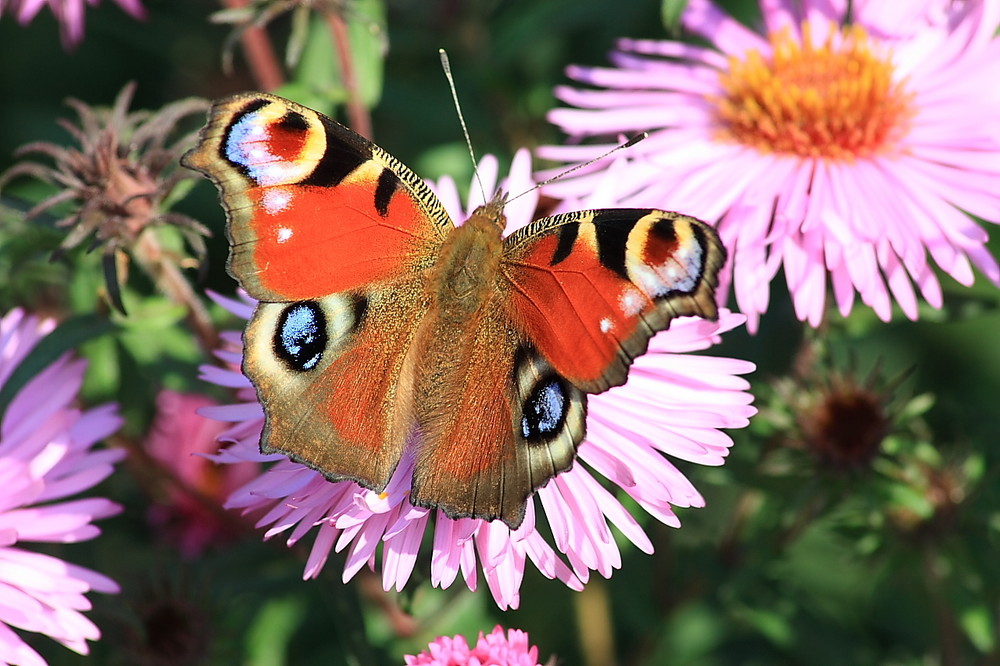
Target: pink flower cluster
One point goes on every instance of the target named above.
(493, 649)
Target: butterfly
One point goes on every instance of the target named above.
(383, 329)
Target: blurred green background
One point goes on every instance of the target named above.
(793, 561)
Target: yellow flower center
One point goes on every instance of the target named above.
(836, 100)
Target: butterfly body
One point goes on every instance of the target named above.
(464, 278)
(383, 330)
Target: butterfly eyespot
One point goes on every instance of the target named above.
(544, 411)
(301, 338)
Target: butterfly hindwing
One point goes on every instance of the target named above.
(494, 426)
(333, 236)
(330, 376)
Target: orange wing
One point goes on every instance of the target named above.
(313, 208)
(589, 289)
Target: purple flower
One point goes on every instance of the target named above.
(494, 649)
(846, 154)
(69, 13)
(672, 404)
(46, 455)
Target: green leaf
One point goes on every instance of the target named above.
(68, 336)
(319, 81)
(366, 26)
(977, 622)
(670, 13)
(272, 631)
(773, 625)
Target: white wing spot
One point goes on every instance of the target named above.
(276, 200)
(273, 174)
(631, 302)
(606, 325)
(284, 233)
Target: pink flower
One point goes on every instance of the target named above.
(69, 13)
(179, 439)
(46, 455)
(494, 649)
(673, 404)
(841, 154)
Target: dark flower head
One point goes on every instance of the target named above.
(170, 623)
(119, 181)
(846, 424)
(841, 419)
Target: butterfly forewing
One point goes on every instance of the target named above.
(591, 288)
(313, 208)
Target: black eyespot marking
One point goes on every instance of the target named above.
(301, 338)
(544, 412)
(384, 190)
(665, 230)
(293, 122)
(613, 227)
(339, 160)
(255, 105)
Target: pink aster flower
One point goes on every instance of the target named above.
(69, 13)
(493, 649)
(179, 439)
(839, 154)
(47, 455)
(673, 404)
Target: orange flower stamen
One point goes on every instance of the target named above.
(837, 100)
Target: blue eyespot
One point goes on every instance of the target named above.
(301, 338)
(544, 412)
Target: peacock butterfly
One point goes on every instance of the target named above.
(381, 325)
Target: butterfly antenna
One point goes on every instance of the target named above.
(446, 66)
(628, 144)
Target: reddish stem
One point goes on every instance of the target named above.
(259, 53)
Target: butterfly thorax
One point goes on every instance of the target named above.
(464, 276)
